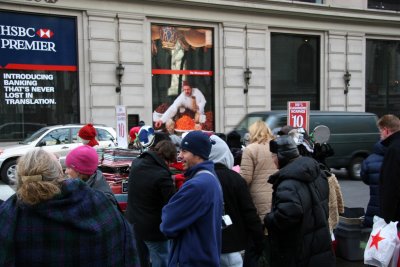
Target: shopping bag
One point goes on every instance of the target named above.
(395, 259)
(381, 243)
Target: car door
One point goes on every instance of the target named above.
(57, 141)
(105, 138)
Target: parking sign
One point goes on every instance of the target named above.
(298, 114)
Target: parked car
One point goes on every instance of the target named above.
(58, 139)
(353, 134)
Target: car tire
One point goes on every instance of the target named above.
(8, 172)
(354, 168)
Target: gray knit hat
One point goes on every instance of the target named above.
(286, 149)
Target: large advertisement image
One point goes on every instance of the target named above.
(38, 72)
(182, 78)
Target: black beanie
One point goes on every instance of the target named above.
(286, 149)
(198, 143)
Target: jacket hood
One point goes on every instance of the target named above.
(75, 206)
(205, 165)
(155, 157)
(220, 152)
(304, 169)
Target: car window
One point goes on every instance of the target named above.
(34, 136)
(104, 135)
(75, 137)
(56, 137)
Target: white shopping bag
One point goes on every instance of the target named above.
(381, 243)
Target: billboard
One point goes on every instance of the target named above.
(38, 69)
(182, 77)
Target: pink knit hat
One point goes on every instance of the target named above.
(83, 159)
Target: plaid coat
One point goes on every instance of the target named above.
(79, 227)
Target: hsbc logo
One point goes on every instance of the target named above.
(45, 33)
(13, 34)
(16, 31)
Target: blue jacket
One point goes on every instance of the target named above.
(192, 219)
(370, 172)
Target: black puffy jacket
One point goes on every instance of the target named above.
(149, 189)
(298, 222)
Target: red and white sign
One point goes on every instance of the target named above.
(298, 114)
(122, 131)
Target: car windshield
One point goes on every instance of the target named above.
(34, 136)
(249, 120)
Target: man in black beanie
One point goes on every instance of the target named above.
(298, 222)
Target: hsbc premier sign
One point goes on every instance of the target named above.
(37, 42)
(38, 58)
(7, 31)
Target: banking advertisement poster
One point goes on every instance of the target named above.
(182, 78)
(38, 69)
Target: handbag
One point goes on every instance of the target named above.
(381, 243)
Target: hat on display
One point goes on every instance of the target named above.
(88, 134)
(198, 143)
(133, 132)
(83, 159)
(146, 136)
(285, 148)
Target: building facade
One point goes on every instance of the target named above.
(70, 61)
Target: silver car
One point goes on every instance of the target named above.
(58, 139)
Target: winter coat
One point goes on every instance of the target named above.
(98, 181)
(239, 206)
(389, 186)
(193, 219)
(256, 167)
(298, 222)
(79, 227)
(336, 203)
(370, 172)
(149, 189)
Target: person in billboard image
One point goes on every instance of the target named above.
(191, 100)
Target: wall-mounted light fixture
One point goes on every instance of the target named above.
(119, 70)
(346, 78)
(247, 76)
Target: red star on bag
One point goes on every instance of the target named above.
(375, 240)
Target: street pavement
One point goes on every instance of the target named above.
(355, 194)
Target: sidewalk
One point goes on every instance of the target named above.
(343, 263)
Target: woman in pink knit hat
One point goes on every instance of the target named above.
(88, 135)
(82, 163)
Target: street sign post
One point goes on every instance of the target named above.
(298, 114)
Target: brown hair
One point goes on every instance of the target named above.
(260, 132)
(390, 122)
(39, 176)
(166, 150)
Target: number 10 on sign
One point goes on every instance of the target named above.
(298, 114)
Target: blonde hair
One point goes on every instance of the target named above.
(260, 133)
(39, 176)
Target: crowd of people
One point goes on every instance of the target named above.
(270, 203)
